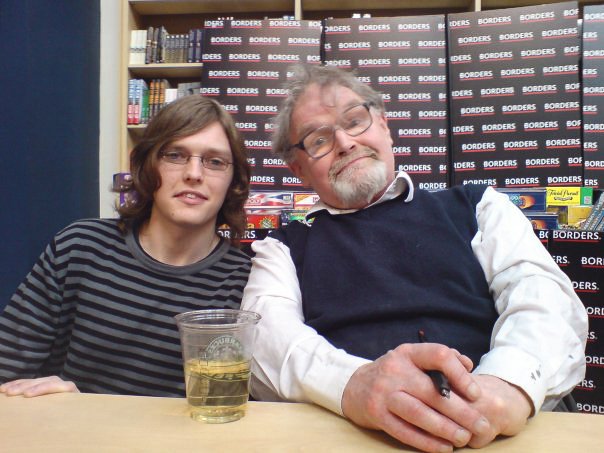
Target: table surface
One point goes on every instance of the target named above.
(71, 422)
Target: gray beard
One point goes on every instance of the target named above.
(360, 190)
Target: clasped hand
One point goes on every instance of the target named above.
(38, 386)
(395, 394)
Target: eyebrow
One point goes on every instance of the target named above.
(210, 150)
(309, 127)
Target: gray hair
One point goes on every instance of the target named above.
(303, 76)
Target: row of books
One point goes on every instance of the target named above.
(146, 99)
(595, 220)
(156, 45)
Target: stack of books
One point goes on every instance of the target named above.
(595, 220)
(156, 45)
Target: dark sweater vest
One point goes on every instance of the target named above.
(371, 279)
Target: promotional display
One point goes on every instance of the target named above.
(245, 67)
(404, 58)
(593, 96)
(515, 96)
(580, 254)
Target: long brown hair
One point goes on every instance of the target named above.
(182, 118)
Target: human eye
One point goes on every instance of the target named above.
(355, 118)
(175, 156)
(318, 138)
(215, 163)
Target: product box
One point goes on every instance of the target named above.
(263, 221)
(305, 200)
(543, 220)
(573, 216)
(566, 196)
(526, 199)
(274, 200)
(290, 215)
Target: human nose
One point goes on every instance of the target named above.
(342, 142)
(194, 168)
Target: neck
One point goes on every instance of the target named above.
(176, 246)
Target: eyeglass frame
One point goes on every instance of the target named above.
(300, 144)
(202, 159)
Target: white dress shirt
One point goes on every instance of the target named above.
(538, 341)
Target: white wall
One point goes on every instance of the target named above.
(109, 142)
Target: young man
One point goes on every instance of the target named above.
(344, 297)
(95, 314)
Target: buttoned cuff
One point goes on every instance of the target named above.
(518, 368)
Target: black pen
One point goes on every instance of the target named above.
(440, 381)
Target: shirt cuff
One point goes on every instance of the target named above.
(528, 374)
(327, 379)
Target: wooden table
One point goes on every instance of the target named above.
(101, 423)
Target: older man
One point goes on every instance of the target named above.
(344, 296)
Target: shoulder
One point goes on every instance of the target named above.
(90, 230)
(292, 233)
(236, 259)
(468, 193)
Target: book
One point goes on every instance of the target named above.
(148, 45)
(595, 215)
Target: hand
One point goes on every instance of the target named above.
(37, 387)
(505, 406)
(395, 394)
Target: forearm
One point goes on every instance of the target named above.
(539, 338)
(291, 361)
(295, 363)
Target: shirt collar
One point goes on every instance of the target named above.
(402, 183)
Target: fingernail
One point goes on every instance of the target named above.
(473, 391)
(481, 426)
(461, 437)
(445, 449)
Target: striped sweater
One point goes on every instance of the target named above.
(97, 310)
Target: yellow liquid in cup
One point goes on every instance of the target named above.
(217, 392)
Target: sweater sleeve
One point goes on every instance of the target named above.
(29, 323)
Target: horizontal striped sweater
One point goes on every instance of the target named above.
(98, 311)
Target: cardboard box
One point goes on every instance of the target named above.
(543, 220)
(566, 196)
(526, 199)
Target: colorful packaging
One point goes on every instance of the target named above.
(526, 199)
(270, 200)
(566, 196)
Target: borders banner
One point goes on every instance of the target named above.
(515, 96)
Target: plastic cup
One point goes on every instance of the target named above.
(217, 348)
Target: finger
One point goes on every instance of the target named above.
(431, 356)
(482, 440)
(465, 360)
(431, 422)
(414, 436)
(16, 387)
(49, 387)
(456, 412)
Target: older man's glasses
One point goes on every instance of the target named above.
(321, 141)
(177, 157)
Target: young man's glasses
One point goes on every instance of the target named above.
(320, 142)
(177, 157)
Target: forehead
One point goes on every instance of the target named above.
(318, 103)
(212, 137)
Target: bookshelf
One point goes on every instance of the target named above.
(180, 16)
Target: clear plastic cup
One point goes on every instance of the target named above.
(217, 348)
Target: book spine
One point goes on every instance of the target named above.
(148, 44)
(133, 42)
(598, 224)
(130, 101)
(191, 46)
(590, 222)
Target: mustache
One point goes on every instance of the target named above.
(341, 163)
